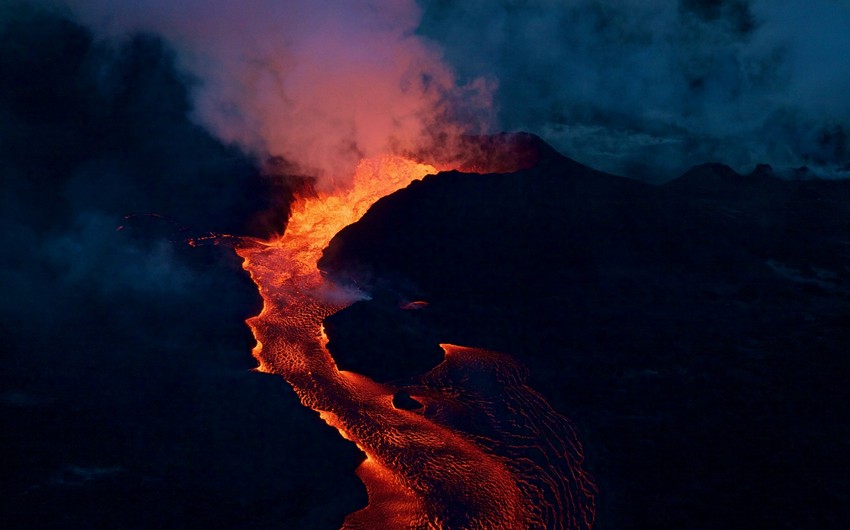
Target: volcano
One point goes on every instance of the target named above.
(479, 332)
(484, 451)
(695, 332)
(522, 342)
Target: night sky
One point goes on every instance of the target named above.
(128, 398)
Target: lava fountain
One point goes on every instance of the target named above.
(484, 450)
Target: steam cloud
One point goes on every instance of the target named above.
(321, 84)
(649, 88)
(642, 88)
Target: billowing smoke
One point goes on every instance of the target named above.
(643, 88)
(650, 87)
(321, 84)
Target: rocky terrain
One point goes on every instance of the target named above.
(696, 332)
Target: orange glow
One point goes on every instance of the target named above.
(315, 220)
(420, 470)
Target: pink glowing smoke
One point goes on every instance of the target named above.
(322, 84)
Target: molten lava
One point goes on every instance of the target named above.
(484, 451)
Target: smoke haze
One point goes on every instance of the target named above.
(321, 84)
(650, 88)
(646, 89)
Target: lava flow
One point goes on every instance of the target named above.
(483, 451)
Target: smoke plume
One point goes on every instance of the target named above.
(321, 84)
(649, 88)
(642, 88)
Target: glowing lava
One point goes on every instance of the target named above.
(485, 451)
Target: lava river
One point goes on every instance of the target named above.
(484, 451)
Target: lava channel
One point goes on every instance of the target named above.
(484, 451)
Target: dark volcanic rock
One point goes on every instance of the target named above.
(696, 332)
(402, 400)
(380, 352)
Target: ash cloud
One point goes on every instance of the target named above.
(646, 89)
(320, 84)
(650, 88)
